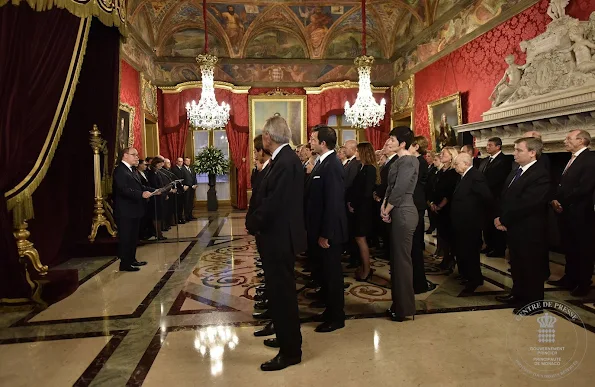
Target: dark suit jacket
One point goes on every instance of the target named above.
(257, 177)
(351, 170)
(325, 210)
(523, 205)
(496, 172)
(189, 177)
(128, 193)
(360, 193)
(381, 188)
(419, 195)
(278, 214)
(470, 199)
(575, 191)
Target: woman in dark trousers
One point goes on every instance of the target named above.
(398, 209)
(361, 203)
(156, 203)
(445, 185)
(420, 283)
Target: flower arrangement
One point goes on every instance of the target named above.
(211, 161)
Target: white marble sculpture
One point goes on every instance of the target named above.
(508, 84)
(559, 59)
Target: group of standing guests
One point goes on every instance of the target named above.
(170, 209)
(303, 205)
(140, 209)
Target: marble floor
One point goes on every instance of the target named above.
(186, 319)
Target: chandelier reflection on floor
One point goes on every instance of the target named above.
(365, 112)
(212, 341)
(207, 114)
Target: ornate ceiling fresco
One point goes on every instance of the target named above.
(297, 41)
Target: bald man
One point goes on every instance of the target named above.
(470, 200)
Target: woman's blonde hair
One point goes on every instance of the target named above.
(453, 154)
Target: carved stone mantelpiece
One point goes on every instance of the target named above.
(556, 90)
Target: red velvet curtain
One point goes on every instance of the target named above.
(65, 197)
(174, 125)
(35, 51)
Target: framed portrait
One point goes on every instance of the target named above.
(291, 107)
(124, 128)
(443, 115)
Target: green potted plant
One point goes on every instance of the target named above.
(212, 162)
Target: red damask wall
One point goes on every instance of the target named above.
(130, 95)
(476, 68)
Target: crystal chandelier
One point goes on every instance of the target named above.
(365, 112)
(207, 114)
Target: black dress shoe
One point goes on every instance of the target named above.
(352, 266)
(317, 304)
(268, 330)
(580, 291)
(495, 254)
(261, 305)
(470, 287)
(319, 318)
(259, 297)
(464, 281)
(460, 277)
(429, 287)
(262, 315)
(508, 299)
(326, 327)
(485, 251)
(162, 238)
(182, 221)
(272, 343)
(129, 268)
(317, 295)
(138, 263)
(562, 282)
(397, 317)
(280, 362)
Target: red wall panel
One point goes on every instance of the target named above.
(130, 94)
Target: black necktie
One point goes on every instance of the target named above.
(345, 166)
(518, 174)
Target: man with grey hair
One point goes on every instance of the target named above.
(576, 218)
(523, 216)
(278, 221)
(470, 200)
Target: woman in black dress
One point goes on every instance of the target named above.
(360, 202)
(445, 186)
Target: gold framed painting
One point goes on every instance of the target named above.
(443, 114)
(124, 128)
(291, 107)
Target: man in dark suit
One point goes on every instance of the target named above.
(178, 170)
(129, 208)
(574, 206)
(379, 192)
(326, 225)
(495, 168)
(544, 160)
(523, 216)
(470, 199)
(172, 197)
(278, 220)
(190, 180)
(262, 157)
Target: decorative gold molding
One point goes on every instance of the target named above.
(149, 96)
(99, 219)
(340, 85)
(132, 111)
(403, 97)
(278, 91)
(19, 198)
(109, 12)
(26, 249)
(197, 85)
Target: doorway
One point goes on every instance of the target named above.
(151, 145)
